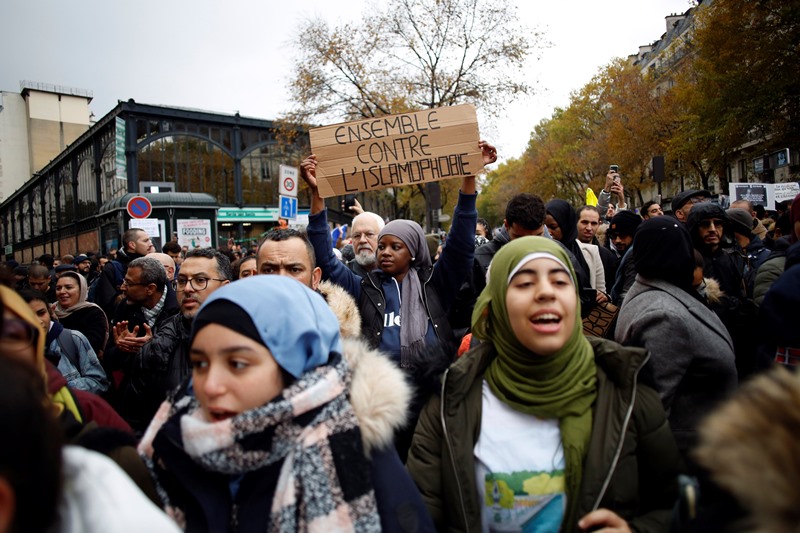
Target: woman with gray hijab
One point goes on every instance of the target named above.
(405, 301)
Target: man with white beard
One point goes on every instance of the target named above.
(366, 228)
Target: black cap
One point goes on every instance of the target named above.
(80, 259)
(680, 199)
(67, 267)
(624, 223)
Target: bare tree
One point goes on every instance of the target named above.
(410, 55)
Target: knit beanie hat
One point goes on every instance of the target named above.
(741, 221)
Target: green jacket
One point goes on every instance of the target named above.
(631, 467)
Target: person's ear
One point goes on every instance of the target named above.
(505, 223)
(316, 277)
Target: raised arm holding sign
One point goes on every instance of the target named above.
(412, 329)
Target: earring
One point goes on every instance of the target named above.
(413, 258)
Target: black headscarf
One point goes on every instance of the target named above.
(567, 219)
(662, 249)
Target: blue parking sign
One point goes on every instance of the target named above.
(288, 207)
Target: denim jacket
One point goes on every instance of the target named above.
(90, 376)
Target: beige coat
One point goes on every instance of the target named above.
(597, 274)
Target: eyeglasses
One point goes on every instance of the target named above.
(131, 283)
(17, 334)
(707, 223)
(369, 235)
(198, 284)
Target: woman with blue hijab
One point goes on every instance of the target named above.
(266, 436)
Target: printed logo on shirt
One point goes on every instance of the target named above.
(391, 320)
(525, 501)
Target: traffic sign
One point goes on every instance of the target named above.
(288, 181)
(288, 207)
(139, 207)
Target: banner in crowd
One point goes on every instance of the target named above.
(397, 150)
(766, 194)
(194, 233)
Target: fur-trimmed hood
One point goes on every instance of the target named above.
(713, 292)
(379, 394)
(748, 445)
(344, 307)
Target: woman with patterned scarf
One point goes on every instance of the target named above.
(74, 312)
(267, 435)
(539, 428)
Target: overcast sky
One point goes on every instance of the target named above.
(235, 55)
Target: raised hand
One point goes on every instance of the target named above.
(489, 152)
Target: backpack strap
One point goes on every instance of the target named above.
(69, 348)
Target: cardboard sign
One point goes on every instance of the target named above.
(397, 150)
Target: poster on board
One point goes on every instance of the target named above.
(756, 193)
(397, 150)
(766, 194)
(154, 227)
(194, 233)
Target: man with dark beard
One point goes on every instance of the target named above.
(163, 363)
(366, 228)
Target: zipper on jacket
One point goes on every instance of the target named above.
(378, 304)
(450, 449)
(427, 309)
(625, 423)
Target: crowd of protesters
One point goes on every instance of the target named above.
(382, 379)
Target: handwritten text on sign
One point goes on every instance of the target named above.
(397, 150)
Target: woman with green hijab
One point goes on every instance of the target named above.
(539, 428)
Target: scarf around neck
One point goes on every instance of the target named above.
(562, 385)
(310, 429)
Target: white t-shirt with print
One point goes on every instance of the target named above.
(519, 469)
